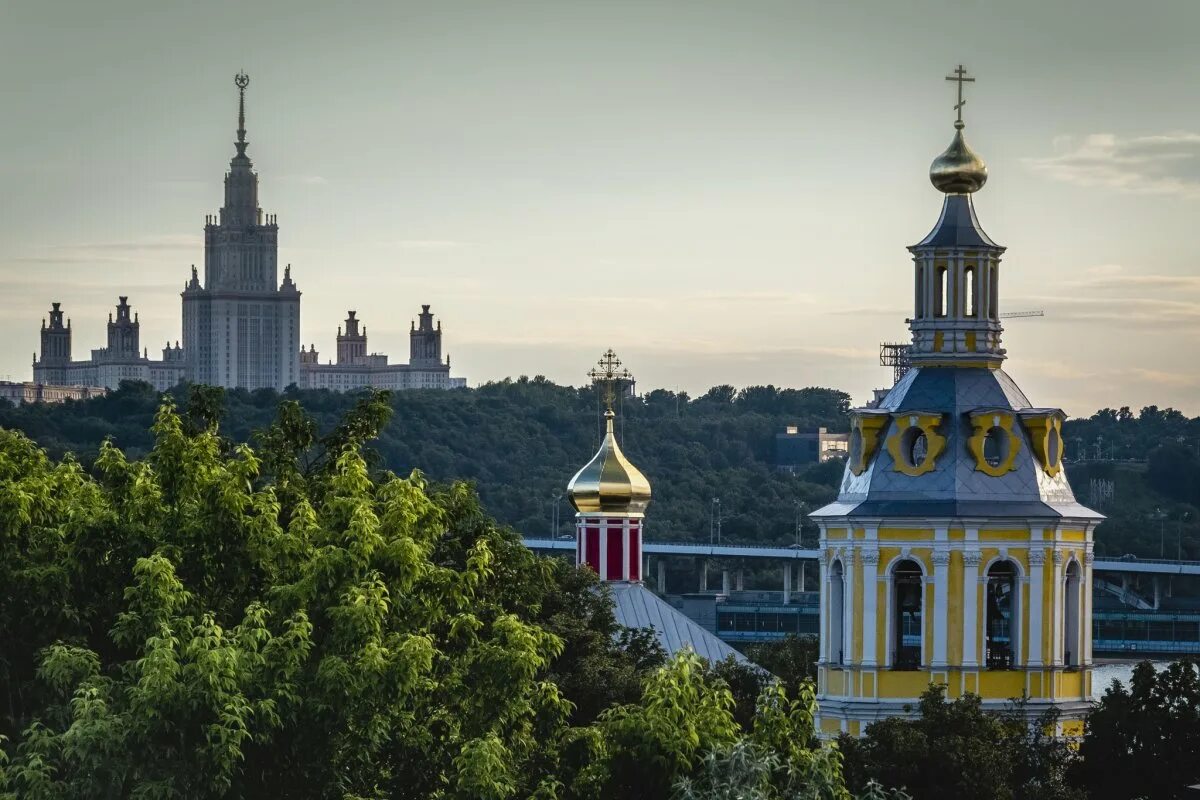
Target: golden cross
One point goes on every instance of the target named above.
(960, 76)
(608, 371)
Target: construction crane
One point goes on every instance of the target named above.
(896, 354)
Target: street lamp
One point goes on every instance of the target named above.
(801, 507)
(714, 521)
(554, 516)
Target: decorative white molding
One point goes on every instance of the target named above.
(971, 558)
(1037, 556)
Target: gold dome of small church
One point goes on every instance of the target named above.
(609, 483)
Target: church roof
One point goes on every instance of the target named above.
(638, 607)
(955, 487)
(957, 227)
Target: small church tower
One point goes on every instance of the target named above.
(610, 496)
(956, 552)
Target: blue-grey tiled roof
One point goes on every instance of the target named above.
(638, 607)
(958, 227)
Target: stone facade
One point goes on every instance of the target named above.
(32, 392)
(356, 367)
(241, 327)
(122, 359)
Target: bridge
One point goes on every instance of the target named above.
(1153, 566)
(742, 617)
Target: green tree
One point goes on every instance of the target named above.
(956, 749)
(194, 625)
(1143, 741)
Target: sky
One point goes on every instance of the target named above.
(722, 192)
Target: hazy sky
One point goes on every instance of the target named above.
(722, 191)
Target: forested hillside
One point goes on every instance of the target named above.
(520, 441)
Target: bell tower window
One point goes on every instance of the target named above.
(907, 615)
(1001, 616)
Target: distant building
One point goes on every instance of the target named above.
(241, 328)
(123, 358)
(795, 449)
(356, 367)
(241, 324)
(30, 392)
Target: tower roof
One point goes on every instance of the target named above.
(958, 170)
(609, 483)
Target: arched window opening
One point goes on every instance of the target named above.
(943, 280)
(837, 613)
(1001, 624)
(995, 446)
(920, 309)
(908, 617)
(993, 296)
(1072, 647)
(969, 291)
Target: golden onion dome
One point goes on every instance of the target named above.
(609, 483)
(958, 170)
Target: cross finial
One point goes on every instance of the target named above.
(960, 77)
(609, 372)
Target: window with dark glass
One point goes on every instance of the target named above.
(1000, 630)
(908, 610)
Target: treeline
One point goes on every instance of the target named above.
(520, 441)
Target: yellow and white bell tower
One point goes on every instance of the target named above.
(955, 552)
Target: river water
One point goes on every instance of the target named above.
(1104, 673)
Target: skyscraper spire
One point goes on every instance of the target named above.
(241, 80)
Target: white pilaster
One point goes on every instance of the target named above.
(1037, 560)
(941, 606)
(625, 549)
(870, 570)
(825, 608)
(848, 606)
(971, 559)
(941, 589)
(1085, 618)
(1056, 608)
(602, 529)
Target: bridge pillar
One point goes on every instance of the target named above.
(725, 581)
(662, 576)
(787, 582)
(800, 587)
(1157, 592)
(703, 575)
(740, 578)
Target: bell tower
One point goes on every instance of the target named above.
(956, 552)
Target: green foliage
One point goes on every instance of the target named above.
(517, 441)
(190, 625)
(1143, 740)
(214, 620)
(956, 749)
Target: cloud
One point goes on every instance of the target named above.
(1166, 163)
(1143, 312)
(426, 244)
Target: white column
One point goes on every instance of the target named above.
(662, 576)
(787, 582)
(870, 568)
(740, 579)
(625, 548)
(1056, 608)
(848, 608)
(823, 608)
(971, 561)
(1037, 558)
(724, 581)
(941, 605)
(602, 528)
(1085, 617)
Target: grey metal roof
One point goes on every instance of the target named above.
(955, 488)
(958, 227)
(638, 607)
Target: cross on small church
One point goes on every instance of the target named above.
(609, 372)
(960, 75)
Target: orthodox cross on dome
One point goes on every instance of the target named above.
(610, 374)
(960, 77)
